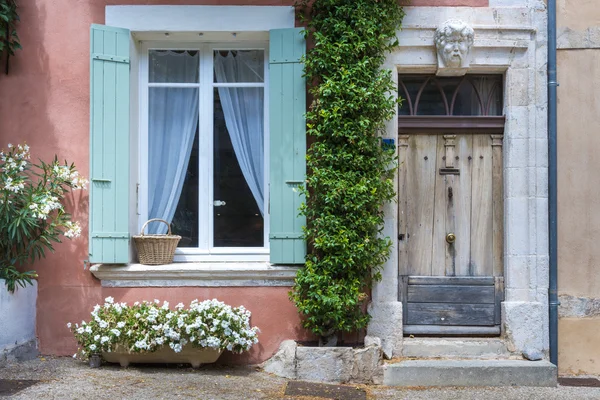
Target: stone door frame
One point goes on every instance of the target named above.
(511, 41)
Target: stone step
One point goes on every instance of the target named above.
(477, 348)
(437, 373)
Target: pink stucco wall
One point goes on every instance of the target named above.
(44, 101)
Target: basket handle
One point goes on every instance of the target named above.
(155, 219)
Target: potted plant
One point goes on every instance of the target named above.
(32, 220)
(150, 333)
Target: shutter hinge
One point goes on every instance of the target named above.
(107, 57)
(111, 235)
(286, 235)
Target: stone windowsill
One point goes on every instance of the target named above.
(195, 274)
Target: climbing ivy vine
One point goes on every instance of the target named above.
(9, 40)
(350, 172)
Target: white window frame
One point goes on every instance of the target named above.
(205, 250)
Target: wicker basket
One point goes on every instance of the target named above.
(156, 249)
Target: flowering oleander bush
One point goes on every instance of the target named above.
(147, 326)
(32, 215)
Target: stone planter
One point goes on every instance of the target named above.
(17, 323)
(188, 355)
(328, 364)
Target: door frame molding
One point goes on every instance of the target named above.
(509, 41)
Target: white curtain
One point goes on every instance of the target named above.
(172, 125)
(484, 86)
(244, 115)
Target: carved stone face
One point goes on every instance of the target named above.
(453, 41)
(454, 50)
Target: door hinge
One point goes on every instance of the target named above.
(137, 199)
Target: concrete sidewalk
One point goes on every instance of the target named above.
(65, 378)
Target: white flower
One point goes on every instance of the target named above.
(176, 347)
(103, 324)
(120, 324)
(104, 339)
(179, 306)
(80, 330)
(88, 329)
(10, 145)
(165, 305)
(96, 337)
(73, 229)
(75, 355)
(137, 315)
(69, 325)
(92, 347)
(109, 300)
(116, 332)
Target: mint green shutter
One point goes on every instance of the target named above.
(287, 105)
(109, 145)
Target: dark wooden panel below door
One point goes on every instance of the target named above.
(451, 330)
(450, 314)
(451, 280)
(451, 294)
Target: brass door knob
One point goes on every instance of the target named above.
(450, 238)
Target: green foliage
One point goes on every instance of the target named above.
(9, 40)
(32, 217)
(350, 173)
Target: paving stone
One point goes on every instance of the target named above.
(338, 392)
(12, 386)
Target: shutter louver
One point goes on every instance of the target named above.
(287, 106)
(109, 145)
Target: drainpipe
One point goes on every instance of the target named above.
(552, 185)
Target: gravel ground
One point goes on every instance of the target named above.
(65, 378)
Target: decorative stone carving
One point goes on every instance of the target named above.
(453, 41)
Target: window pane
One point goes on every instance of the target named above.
(173, 66)
(466, 101)
(412, 85)
(185, 220)
(239, 66)
(431, 101)
(238, 167)
(490, 90)
(173, 161)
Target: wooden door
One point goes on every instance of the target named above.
(450, 220)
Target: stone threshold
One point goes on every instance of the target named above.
(456, 348)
